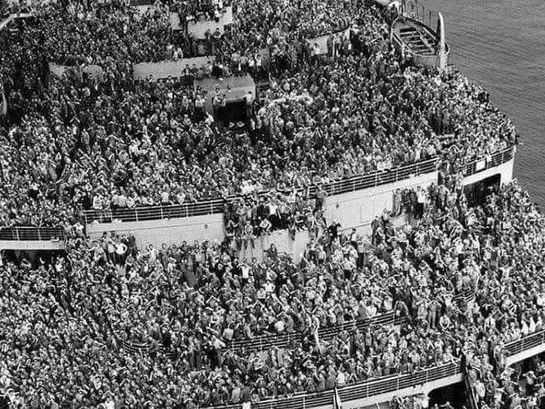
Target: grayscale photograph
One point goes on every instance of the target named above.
(272, 204)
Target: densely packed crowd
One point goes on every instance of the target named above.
(109, 322)
(84, 143)
(398, 121)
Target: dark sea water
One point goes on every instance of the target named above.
(501, 45)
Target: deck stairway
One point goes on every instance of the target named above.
(419, 41)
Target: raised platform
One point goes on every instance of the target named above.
(322, 40)
(235, 88)
(166, 69)
(198, 28)
(282, 240)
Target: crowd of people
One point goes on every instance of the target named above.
(108, 323)
(84, 141)
(153, 325)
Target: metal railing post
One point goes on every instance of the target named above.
(17, 234)
(136, 214)
(39, 234)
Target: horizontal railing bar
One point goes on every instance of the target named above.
(213, 206)
(216, 205)
(29, 233)
(266, 341)
(392, 383)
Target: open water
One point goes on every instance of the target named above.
(501, 45)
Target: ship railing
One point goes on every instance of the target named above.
(286, 340)
(360, 390)
(525, 343)
(146, 213)
(28, 233)
(249, 345)
(374, 179)
(216, 205)
(496, 159)
(385, 384)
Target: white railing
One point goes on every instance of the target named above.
(387, 384)
(374, 179)
(216, 205)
